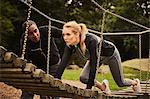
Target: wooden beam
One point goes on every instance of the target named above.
(29, 68)
(48, 79)
(10, 71)
(2, 53)
(19, 62)
(6, 65)
(28, 85)
(38, 73)
(50, 93)
(14, 80)
(13, 76)
(9, 57)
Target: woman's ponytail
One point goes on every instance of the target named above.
(83, 32)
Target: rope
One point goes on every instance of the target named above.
(123, 18)
(49, 41)
(26, 31)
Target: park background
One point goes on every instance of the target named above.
(14, 13)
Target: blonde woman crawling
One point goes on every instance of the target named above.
(77, 38)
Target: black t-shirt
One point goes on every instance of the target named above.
(37, 52)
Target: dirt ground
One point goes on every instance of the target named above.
(9, 92)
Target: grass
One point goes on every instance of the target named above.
(129, 72)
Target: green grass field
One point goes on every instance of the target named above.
(129, 72)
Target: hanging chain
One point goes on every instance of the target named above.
(140, 56)
(100, 45)
(49, 41)
(26, 31)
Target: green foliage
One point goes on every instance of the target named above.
(84, 11)
(9, 15)
(71, 74)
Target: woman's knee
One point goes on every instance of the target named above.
(120, 84)
(83, 79)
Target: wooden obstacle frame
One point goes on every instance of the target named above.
(26, 76)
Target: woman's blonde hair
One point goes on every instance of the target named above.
(78, 28)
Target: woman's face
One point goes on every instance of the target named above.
(70, 37)
(33, 33)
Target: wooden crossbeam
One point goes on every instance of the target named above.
(2, 53)
(9, 56)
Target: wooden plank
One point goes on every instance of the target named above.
(38, 73)
(48, 79)
(90, 93)
(6, 65)
(20, 85)
(51, 93)
(35, 86)
(17, 76)
(20, 80)
(69, 88)
(145, 82)
(9, 57)
(2, 50)
(2, 53)
(29, 68)
(43, 85)
(56, 93)
(81, 91)
(122, 97)
(11, 71)
(58, 83)
(19, 62)
(126, 93)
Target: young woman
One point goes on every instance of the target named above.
(78, 39)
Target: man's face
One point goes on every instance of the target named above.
(33, 33)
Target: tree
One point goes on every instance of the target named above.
(9, 15)
(83, 11)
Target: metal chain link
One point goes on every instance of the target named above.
(100, 45)
(140, 56)
(26, 31)
(49, 41)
